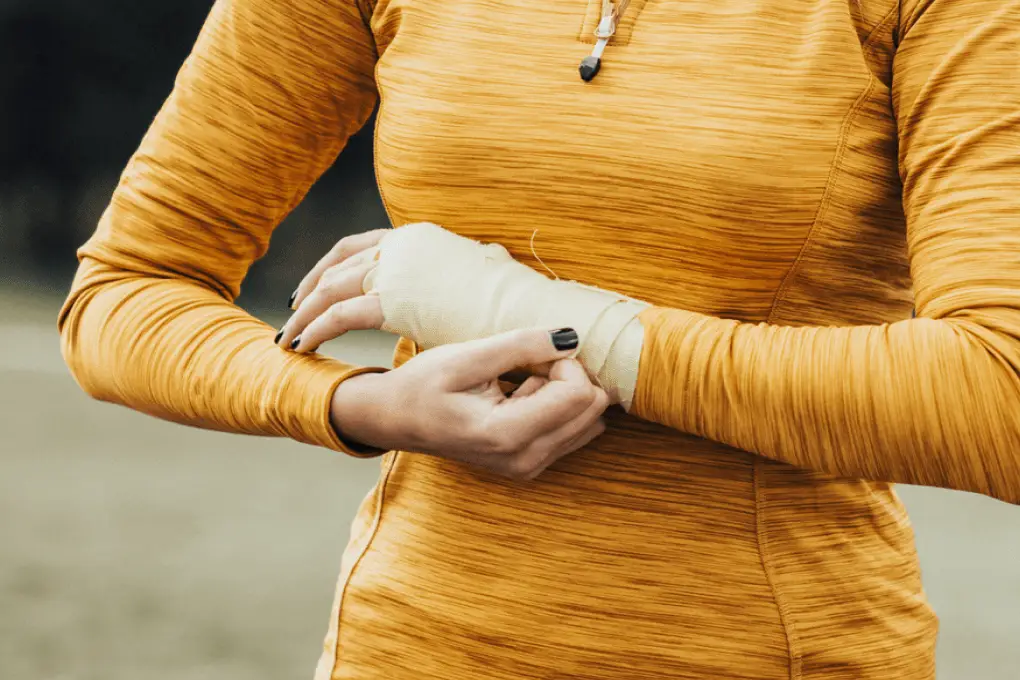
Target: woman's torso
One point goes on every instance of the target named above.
(733, 157)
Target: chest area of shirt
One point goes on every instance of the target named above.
(712, 124)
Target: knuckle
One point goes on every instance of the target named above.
(332, 321)
(331, 272)
(343, 248)
(336, 310)
(328, 286)
(524, 468)
(502, 444)
(579, 396)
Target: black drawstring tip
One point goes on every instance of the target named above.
(590, 67)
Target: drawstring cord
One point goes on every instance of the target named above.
(610, 17)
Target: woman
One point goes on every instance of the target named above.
(737, 213)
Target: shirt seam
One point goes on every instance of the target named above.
(376, 522)
(366, 8)
(794, 651)
(830, 181)
(894, 11)
(823, 205)
(380, 106)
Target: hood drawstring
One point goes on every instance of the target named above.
(612, 12)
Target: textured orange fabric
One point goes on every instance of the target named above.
(780, 178)
(933, 400)
(260, 109)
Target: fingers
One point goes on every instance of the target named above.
(550, 447)
(335, 285)
(359, 313)
(364, 257)
(568, 369)
(529, 467)
(594, 430)
(564, 437)
(541, 369)
(345, 249)
(529, 387)
(546, 418)
(561, 437)
(550, 407)
(479, 361)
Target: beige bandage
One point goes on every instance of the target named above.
(436, 288)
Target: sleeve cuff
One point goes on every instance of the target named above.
(305, 404)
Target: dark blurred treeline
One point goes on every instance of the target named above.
(80, 83)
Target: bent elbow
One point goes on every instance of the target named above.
(85, 320)
(75, 341)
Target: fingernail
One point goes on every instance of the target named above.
(276, 340)
(564, 339)
(295, 342)
(290, 302)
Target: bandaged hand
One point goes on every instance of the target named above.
(434, 287)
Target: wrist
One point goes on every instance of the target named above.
(354, 411)
(618, 374)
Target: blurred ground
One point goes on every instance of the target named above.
(131, 549)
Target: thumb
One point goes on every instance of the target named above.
(478, 361)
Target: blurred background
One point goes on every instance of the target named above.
(131, 548)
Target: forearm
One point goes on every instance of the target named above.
(437, 288)
(927, 401)
(933, 400)
(176, 350)
(265, 101)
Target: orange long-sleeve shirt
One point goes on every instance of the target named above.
(782, 180)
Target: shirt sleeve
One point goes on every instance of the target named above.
(266, 100)
(933, 400)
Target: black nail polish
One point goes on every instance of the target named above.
(564, 339)
(290, 302)
(295, 342)
(276, 340)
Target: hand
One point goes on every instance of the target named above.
(447, 402)
(436, 288)
(330, 300)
